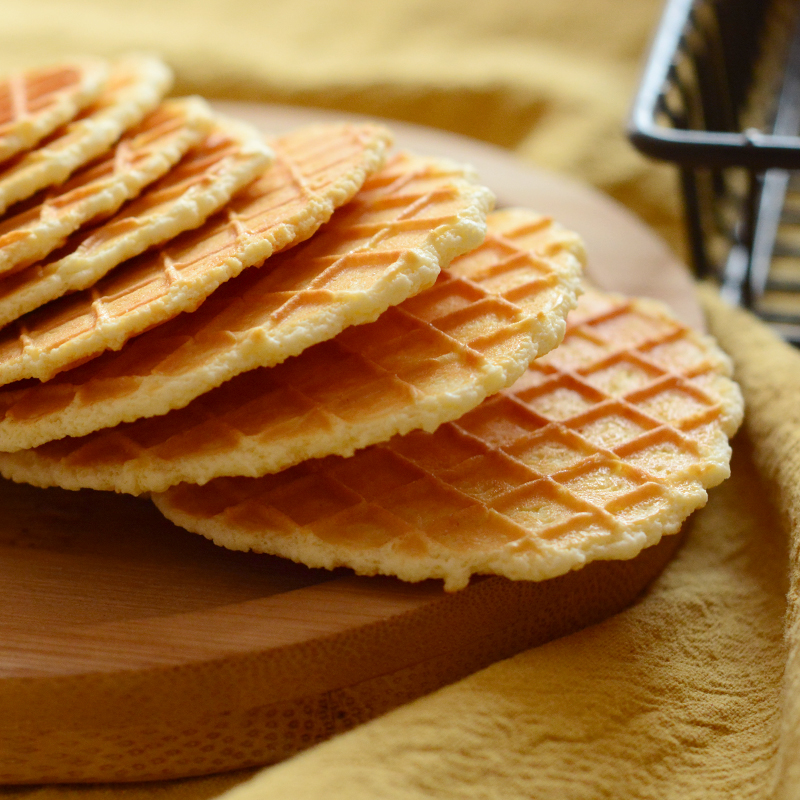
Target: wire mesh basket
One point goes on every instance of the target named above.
(720, 97)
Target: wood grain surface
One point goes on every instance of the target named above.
(133, 650)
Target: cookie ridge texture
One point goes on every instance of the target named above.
(605, 445)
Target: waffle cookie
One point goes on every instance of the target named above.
(229, 158)
(315, 170)
(605, 445)
(135, 87)
(387, 244)
(140, 157)
(34, 102)
(426, 361)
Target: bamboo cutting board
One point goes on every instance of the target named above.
(133, 650)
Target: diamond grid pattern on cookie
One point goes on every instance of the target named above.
(513, 487)
(204, 180)
(35, 102)
(144, 154)
(135, 87)
(314, 171)
(429, 359)
(247, 305)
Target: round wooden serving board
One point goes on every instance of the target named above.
(133, 650)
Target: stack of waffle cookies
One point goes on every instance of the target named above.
(320, 348)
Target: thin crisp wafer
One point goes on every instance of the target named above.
(36, 101)
(597, 452)
(458, 342)
(429, 360)
(141, 156)
(230, 157)
(315, 170)
(135, 87)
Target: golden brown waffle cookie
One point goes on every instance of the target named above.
(426, 361)
(599, 450)
(315, 170)
(203, 182)
(135, 87)
(143, 155)
(457, 342)
(34, 102)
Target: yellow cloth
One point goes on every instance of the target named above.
(695, 691)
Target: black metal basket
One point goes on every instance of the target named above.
(720, 97)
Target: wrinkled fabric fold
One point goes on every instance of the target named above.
(768, 371)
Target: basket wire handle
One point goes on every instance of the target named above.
(775, 182)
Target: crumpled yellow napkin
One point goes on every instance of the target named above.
(695, 691)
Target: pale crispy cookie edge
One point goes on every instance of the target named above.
(91, 135)
(49, 233)
(33, 129)
(77, 271)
